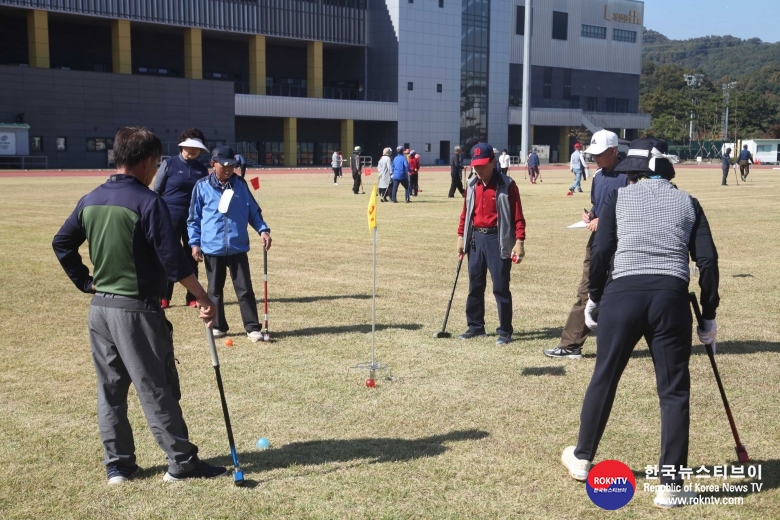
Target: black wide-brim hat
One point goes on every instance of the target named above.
(647, 155)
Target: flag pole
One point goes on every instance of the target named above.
(373, 307)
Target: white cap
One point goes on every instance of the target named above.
(602, 140)
(193, 142)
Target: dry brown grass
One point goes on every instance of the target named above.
(467, 430)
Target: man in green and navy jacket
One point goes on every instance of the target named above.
(135, 251)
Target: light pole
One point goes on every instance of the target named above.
(525, 144)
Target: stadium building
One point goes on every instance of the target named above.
(287, 81)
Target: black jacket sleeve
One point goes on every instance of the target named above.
(703, 252)
(161, 179)
(66, 245)
(604, 247)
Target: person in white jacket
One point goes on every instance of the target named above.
(578, 166)
(336, 162)
(385, 174)
(503, 162)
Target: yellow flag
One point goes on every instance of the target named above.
(372, 209)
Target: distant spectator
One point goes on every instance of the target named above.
(336, 163)
(533, 166)
(357, 171)
(385, 174)
(503, 161)
(745, 160)
(241, 163)
(577, 166)
(414, 170)
(456, 173)
(725, 165)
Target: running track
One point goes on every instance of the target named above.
(309, 171)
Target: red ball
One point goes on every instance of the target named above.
(228, 342)
(370, 383)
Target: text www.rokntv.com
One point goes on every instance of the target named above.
(710, 501)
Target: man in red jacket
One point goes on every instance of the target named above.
(493, 226)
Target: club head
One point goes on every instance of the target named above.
(442, 334)
(238, 477)
(266, 336)
(742, 454)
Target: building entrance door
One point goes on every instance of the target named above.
(444, 151)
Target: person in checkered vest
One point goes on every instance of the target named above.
(639, 276)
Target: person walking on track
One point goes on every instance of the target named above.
(603, 148)
(492, 233)
(639, 275)
(134, 250)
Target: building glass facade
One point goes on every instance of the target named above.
(474, 52)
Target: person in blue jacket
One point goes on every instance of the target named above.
(174, 182)
(400, 175)
(221, 209)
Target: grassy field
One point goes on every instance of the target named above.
(463, 430)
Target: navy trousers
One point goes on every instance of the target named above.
(485, 256)
(405, 184)
(663, 318)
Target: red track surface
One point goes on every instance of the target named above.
(299, 171)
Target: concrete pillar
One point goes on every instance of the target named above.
(314, 69)
(290, 141)
(347, 136)
(257, 65)
(121, 49)
(193, 54)
(564, 154)
(38, 38)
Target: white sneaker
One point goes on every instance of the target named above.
(218, 333)
(255, 336)
(578, 468)
(335, 183)
(667, 498)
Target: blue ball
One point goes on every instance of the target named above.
(263, 443)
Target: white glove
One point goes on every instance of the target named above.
(708, 335)
(591, 314)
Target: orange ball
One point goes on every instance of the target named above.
(228, 342)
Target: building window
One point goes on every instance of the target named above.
(764, 148)
(621, 105)
(610, 104)
(474, 49)
(547, 94)
(427, 147)
(305, 153)
(520, 20)
(574, 102)
(441, 3)
(62, 144)
(274, 153)
(406, 146)
(619, 35)
(326, 152)
(591, 103)
(410, 85)
(411, 1)
(560, 28)
(36, 144)
(567, 84)
(438, 87)
(594, 31)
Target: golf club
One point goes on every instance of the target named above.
(443, 333)
(266, 333)
(742, 453)
(238, 475)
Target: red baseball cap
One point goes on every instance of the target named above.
(482, 154)
(577, 146)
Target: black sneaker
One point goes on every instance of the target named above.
(204, 470)
(118, 474)
(472, 334)
(503, 340)
(563, 352)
